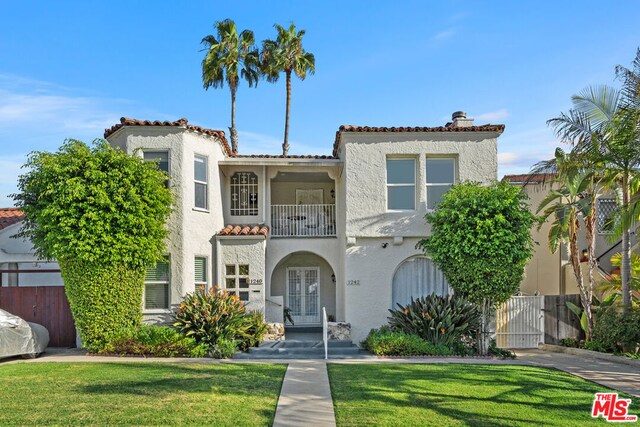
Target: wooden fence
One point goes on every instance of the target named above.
(46, 305)
(559, 321)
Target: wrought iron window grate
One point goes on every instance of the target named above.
(605, 210)
(244, 194)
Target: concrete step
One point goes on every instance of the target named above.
(293, 349)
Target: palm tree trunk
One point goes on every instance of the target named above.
(625, 267)
(232, 130)
(574, 259)
(285, 145)
(590, 224)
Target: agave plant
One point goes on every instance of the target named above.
(440, 320)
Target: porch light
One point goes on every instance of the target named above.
(333, 193)
(333, 278)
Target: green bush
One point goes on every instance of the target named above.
(616, 332)
(385, 342)
(255, 332)
(102, 299)
(148, 340)
(213, 316)
(500, 353)
(569, 342)
(437, 319)
(224, 349)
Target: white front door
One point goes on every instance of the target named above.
(303, 294)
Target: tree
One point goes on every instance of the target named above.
(101, 214)
(230, 57)
(286, 54)
(605, 127)
(481, 241)
(566, 206)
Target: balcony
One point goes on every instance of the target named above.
(303, 220)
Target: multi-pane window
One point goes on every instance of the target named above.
(236, 280)
(441, 173)
(604, 213)
(200, 275)
(401, 184)
(244, 194)
(161, 158)
(156, 286)
(200, 181)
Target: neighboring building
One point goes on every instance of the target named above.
(551, 274)
(306, 232)
(19, 265)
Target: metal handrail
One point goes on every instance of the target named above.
(325, 333)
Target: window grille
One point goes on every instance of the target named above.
(244, 194)
(605, 210)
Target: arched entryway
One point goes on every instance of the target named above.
(416, 277)
(306, 282)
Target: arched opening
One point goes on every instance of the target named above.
(306, 283)
(417, 277)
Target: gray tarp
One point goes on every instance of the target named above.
(19, 337)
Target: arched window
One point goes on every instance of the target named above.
(417, 277)
(244, 194)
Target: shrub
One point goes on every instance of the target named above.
(148, 340)
(569, 342)
(255, 332)
(500, 353)
(384, 342)
(102, 299)
(439, 320)
(224, 349)
(213, 316)
(615, 332)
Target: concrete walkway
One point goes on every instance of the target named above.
(618, 376)
(305, 398)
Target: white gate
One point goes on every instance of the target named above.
(520, 322)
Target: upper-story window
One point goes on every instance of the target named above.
(401, 184)
(200, 181)
(244, 194)
(161, 158)
(604, 213)
(441, 175)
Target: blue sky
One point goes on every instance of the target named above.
(70, 69)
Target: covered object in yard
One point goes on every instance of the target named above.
(21, 338)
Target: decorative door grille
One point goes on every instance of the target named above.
(244, 194)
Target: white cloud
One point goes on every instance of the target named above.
(443, 35)
(493, 115)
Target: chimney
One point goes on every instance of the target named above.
(460, 120)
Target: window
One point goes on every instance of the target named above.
(604, 211)
(156, 286)
(161, 158)
(237, 280)
(440, 178)
(200, 276)
(200, 181)
(415, 278)
(401, 184)
(244, 194)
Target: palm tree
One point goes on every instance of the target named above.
(230, 56)
(604, 127)
(286, 53)
(566, 205)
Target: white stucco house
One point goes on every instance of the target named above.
(305, 232)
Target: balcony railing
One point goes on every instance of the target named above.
(303, 220)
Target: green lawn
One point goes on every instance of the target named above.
(452, 395)
(139, 393)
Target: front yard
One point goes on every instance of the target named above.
(139, 394)
(454, 394)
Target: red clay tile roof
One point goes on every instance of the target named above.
(183, 123)
(10, 216)
(244, 230)
(347, 128)
(536, 178)
(276, 156)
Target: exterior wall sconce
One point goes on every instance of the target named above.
(333, 278)
(384, 245)
(333, 193)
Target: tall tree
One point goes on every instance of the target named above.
(286, 54)
(230, 57)
(604, 127)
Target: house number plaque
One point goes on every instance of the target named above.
(353, 282)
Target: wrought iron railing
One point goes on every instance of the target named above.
(303, 220)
